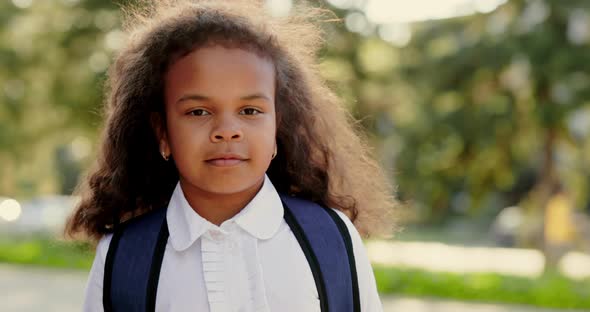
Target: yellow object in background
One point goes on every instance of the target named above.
(559, 226)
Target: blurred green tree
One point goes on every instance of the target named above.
(53, 57)
(475, 113)
(502, 95)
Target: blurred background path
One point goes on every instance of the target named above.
(31, 289)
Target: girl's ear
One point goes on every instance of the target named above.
(160, 133)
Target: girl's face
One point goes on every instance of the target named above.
(221, 122)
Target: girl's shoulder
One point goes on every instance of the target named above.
(354, 233)
(104, 243)
(103, 246)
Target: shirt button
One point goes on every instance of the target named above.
(228, 225)
(216, 235)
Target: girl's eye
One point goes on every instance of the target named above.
(250, 111)
(198, 112)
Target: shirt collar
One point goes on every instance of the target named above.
(261, 217)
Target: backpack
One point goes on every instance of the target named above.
(136, 251)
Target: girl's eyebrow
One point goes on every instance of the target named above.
(199, 97)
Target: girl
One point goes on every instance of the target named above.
(218, 121)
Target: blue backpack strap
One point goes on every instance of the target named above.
(327, 245)
(133, 262)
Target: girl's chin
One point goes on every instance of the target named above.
(227, 185)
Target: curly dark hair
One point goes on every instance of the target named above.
(321, 156)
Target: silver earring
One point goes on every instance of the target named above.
(166, 157)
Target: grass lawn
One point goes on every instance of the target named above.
(46, 252)
(550, 290)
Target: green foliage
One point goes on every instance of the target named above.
(475, 111)
(497, 96)
(53, 58)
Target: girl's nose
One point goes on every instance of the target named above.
(226, 130)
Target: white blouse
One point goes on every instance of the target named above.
(252, 262)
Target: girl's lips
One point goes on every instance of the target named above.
(221, 162)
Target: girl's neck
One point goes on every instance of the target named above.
(216, 207)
